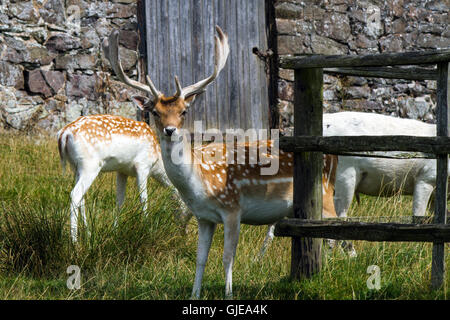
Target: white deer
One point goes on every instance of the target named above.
(216, 191)
(102, 143)
(375, 176)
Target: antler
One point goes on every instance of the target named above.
(221, 54)
(110, 48)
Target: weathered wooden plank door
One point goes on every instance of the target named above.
(180, 41)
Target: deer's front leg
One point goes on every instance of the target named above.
(121, 188)
(267, 240)
(141, 181)
(120, 194)
(231, 237)
(205, 234)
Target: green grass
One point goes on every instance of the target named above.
(150, 257)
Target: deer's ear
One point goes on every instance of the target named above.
(141, 102)
(191, 98)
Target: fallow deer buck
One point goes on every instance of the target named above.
(330, 163)
(217, 191)
(102, 143)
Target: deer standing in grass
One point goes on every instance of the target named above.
(378, 176)
(330, 163)
(216, 191)
(101, 143)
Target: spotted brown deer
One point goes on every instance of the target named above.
(102, 143)
(328, 180)
(221, 190)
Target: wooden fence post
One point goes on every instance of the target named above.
(442, 114)
(308, 96)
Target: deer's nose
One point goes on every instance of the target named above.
(169, 130)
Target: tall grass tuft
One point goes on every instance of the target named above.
(32, 239)
(35, 239)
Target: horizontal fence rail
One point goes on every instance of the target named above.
(388, 155)
(368, 60)
(338, 144)
(344, 230)
(386, 72)
(388, 219)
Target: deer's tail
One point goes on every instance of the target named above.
(64, 136)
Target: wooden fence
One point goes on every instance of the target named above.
(308, 145)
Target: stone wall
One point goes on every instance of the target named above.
(52, 69)
(51, 66)
(361, 27)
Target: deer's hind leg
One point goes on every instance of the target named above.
(84, 178)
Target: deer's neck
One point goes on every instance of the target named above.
(180, 169)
